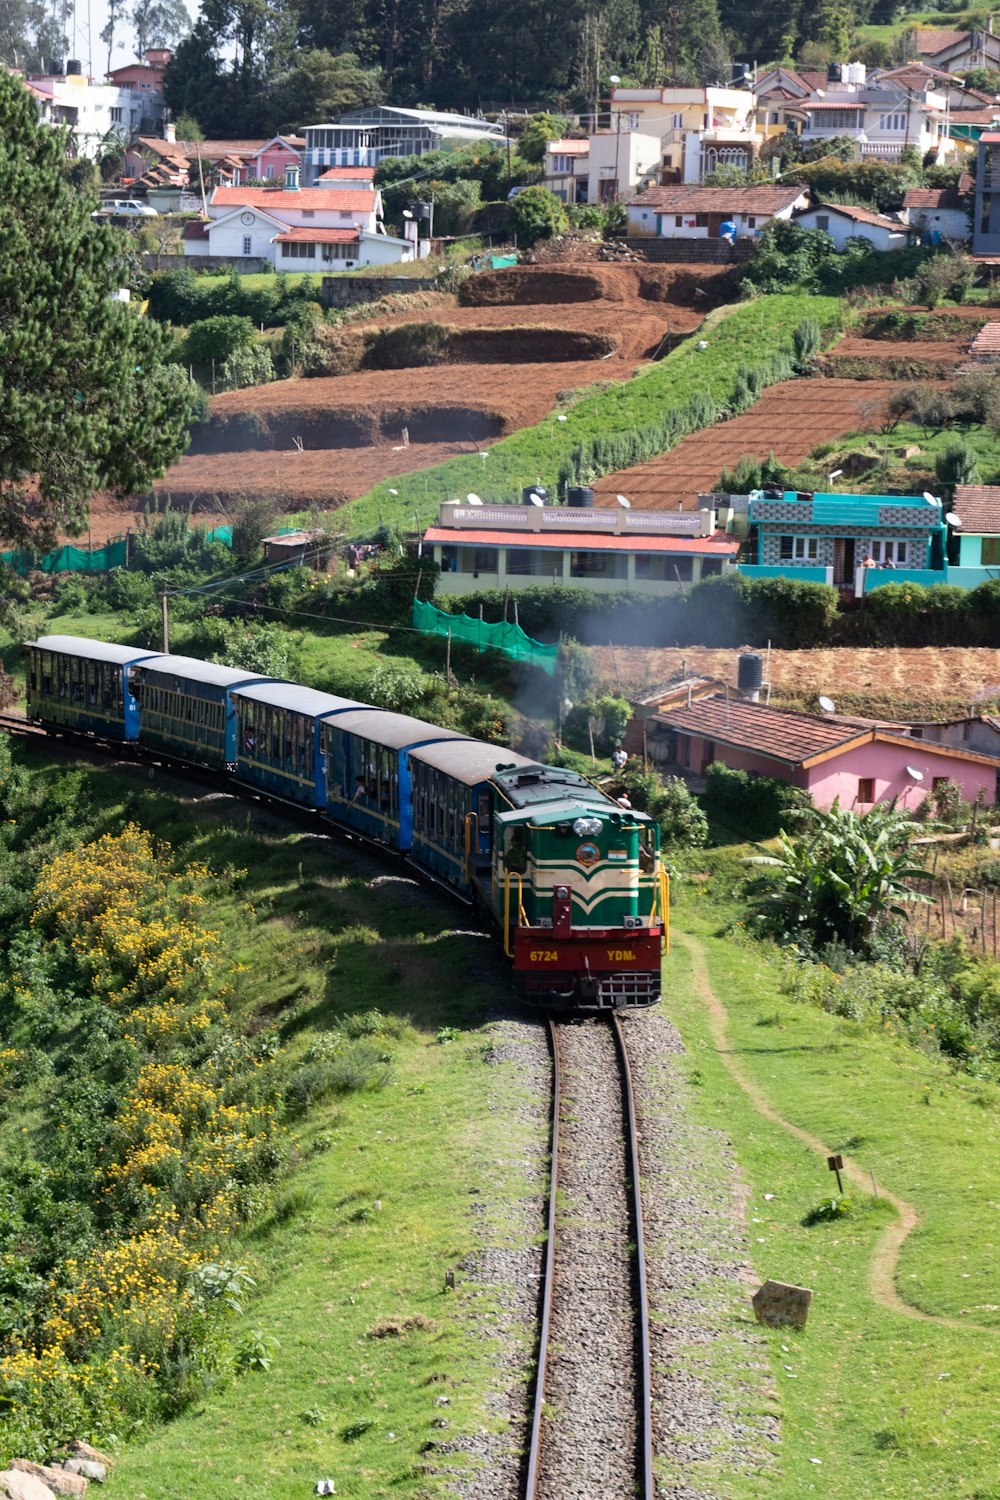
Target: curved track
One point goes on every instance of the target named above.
(592, 1428)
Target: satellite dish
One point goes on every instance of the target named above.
(931, 499)
(827, 705)
(623, 502)
(407, 214)
(953, 519)
(474, 500)
(536, 499)
(914, 774)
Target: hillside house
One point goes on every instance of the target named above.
(986, 214)
(855, 542)
(94, 114)
(363, 137)
(700, 129)
(941, 214)
(566, 169)
(852, 761)
(844, 221)
(705, 212)
(978, 543)
(299, 229)
(518, 546)
(166, 162)
(961, 51)
(882, 118)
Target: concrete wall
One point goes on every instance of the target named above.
(352, 291)
(245, 264)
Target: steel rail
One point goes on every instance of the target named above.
(535, 1448)
(645, 1433)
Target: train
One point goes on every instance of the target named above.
(571, 880)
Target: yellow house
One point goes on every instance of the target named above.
(700, 128)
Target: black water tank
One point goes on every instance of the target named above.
(538, 490)
(835, 73)
(580, 497)
(74, 68)
(421, 209)
(750, 674)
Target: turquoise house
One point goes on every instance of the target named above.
(855, 542)
(975, 549)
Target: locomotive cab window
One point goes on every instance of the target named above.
(516, 852)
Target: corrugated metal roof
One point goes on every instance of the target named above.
(300, 700)
(469, 761)
(204, 671)
(585, 541)
(394, 730)
(78, 645)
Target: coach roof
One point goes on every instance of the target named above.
(297, 700)
(393, 730)
(203, 671)
(468, 761)
(78, 645)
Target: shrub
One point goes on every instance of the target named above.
(250, 364)
(957, 463)
(536, 214)
(758, 807)
(216, 339)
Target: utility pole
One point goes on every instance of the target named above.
(166, 624)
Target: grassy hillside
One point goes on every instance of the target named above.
(746, 335)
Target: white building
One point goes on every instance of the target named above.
(938, 214)
(364, 136)
(619, 162)
(843, 222)
(329, 228)
(95, 114)
(700, 129)
(692, 213)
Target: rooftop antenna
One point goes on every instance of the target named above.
(827, 704)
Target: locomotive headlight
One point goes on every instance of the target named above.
(587, 827)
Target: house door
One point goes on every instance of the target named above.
(715, 223)
(843, 560)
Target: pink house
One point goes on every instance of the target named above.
(859, 762)
(281, 151)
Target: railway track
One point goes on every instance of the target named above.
(592, 1424)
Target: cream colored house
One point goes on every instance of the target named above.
(566, 170)
(700, 128)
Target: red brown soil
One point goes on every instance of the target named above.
(947, 352)
(641, 308)
(895, 672)
(788, 420)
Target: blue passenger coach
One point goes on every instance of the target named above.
(186, 707)
(453, 807)
(82, 685)
(278, 746)
(368, 773)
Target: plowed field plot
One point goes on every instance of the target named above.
(947, 352)
(788, 421)
(324, 441)
(916, 675)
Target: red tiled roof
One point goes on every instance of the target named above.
(979, 507)
(928, 43)
(791, 738)
(695, 200)
(934, 197)
(275, 200)
(987, 340)
(986, 115)
(195, 229)
(347, 174)
(585, 541)
(318, 237)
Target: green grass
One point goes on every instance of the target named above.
(937, 20)
(741, 335)
(333, 1268)
(906, 474)
(889, 1405)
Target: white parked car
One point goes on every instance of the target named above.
(124, 208)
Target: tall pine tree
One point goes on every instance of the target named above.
(87, 401)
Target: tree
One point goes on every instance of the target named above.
(536, 214)
(87, 400)
(841, 880)
(535, 136)
(956, 464)
(321, 86)
(157, 23)
(116, 10)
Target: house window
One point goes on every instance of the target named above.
(309, 213)
(799, 549)
(269, 172)
(991, 551)
(299, 252)
(834, 117)
(247, 244)
(633, 121)
(679, 221)
(116, 115)
(751, 221)
(823, 222)
(678, 122)
(586, 564)
(485, 560)
(775, 117)
(866, 789)
(891, 554)
(893, 123)
(560, 164)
